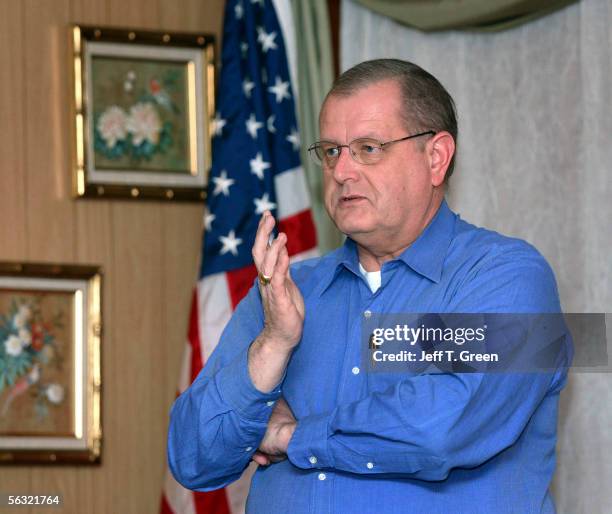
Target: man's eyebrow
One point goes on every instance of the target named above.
(367, 135)
(370, 135)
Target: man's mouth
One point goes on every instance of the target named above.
(347, 199)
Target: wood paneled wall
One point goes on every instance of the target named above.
(149, 251)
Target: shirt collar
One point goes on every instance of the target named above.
(425, 256)
(345, 257)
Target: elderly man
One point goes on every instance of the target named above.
(286, 385)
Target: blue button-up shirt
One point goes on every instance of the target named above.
(383, 442)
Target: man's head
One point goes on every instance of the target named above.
(384, 203)
(426, 104)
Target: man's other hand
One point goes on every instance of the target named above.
(273, 447)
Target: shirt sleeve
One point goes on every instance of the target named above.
(218, 422)
(424, 426)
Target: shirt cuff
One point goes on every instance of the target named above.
(308, 447)
(236, 389)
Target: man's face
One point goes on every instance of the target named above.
(383, 206)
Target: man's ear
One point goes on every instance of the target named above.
(440, 150)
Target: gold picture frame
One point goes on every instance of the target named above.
(143, 112)
(50, 376)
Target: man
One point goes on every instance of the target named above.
(285, 386)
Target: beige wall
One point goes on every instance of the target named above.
(149, 251)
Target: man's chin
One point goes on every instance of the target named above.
(355, 230)
(354, 223)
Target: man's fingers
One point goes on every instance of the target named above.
(268, 265)
(281, 269)
(266, 225)
(282, 264)
(261, 459)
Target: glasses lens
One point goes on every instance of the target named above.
(324, 154)
(366, 151)
(315, 154)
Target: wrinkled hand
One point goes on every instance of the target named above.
(282, 301)
(273, 447)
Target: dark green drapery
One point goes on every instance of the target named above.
(476, 15)
(315, 69)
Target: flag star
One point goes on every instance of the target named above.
(218, 124)
(258, 166)
(239, 11)
(230, 243)
(244, 48)
(270, 124)
(222, 184)
(252, 126)
(266, 39)
(208, 219)
(263, 204)
(280, 89)
(247, 86)
(294, 139)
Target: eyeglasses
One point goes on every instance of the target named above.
(363, 150)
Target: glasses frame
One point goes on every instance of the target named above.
(320, 162)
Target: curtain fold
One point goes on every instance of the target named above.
(315, 76)
(475, 15)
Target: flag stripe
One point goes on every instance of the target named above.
(176, 499)
(292, 192)
(215, 310)
(185, 375)
(194, 339)
(165, 507)
(300, 230)
(239, 282)
(211, 502)
(284, 12)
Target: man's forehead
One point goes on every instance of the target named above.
(376, 106)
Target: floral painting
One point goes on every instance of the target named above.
(35, 363)
(143, 113)
(140, 115)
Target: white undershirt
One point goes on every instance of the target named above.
(372, 277)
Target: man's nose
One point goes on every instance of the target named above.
(346, 168)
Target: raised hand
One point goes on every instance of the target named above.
(282, 301)
(283, 308)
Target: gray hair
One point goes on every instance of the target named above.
(427, 104)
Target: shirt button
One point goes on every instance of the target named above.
(312, 459)
(355, 370)
(369, 465)
(322, 476)
(270, 403)
(367, 313)
(248, 448)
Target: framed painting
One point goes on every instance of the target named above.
(143, 112)
(50, 382)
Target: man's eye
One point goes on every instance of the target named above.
(369, 148)
(331, 151)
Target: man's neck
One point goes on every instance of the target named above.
(372, 256)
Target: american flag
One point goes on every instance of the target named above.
(256, 167)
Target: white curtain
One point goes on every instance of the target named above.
(535, 147)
